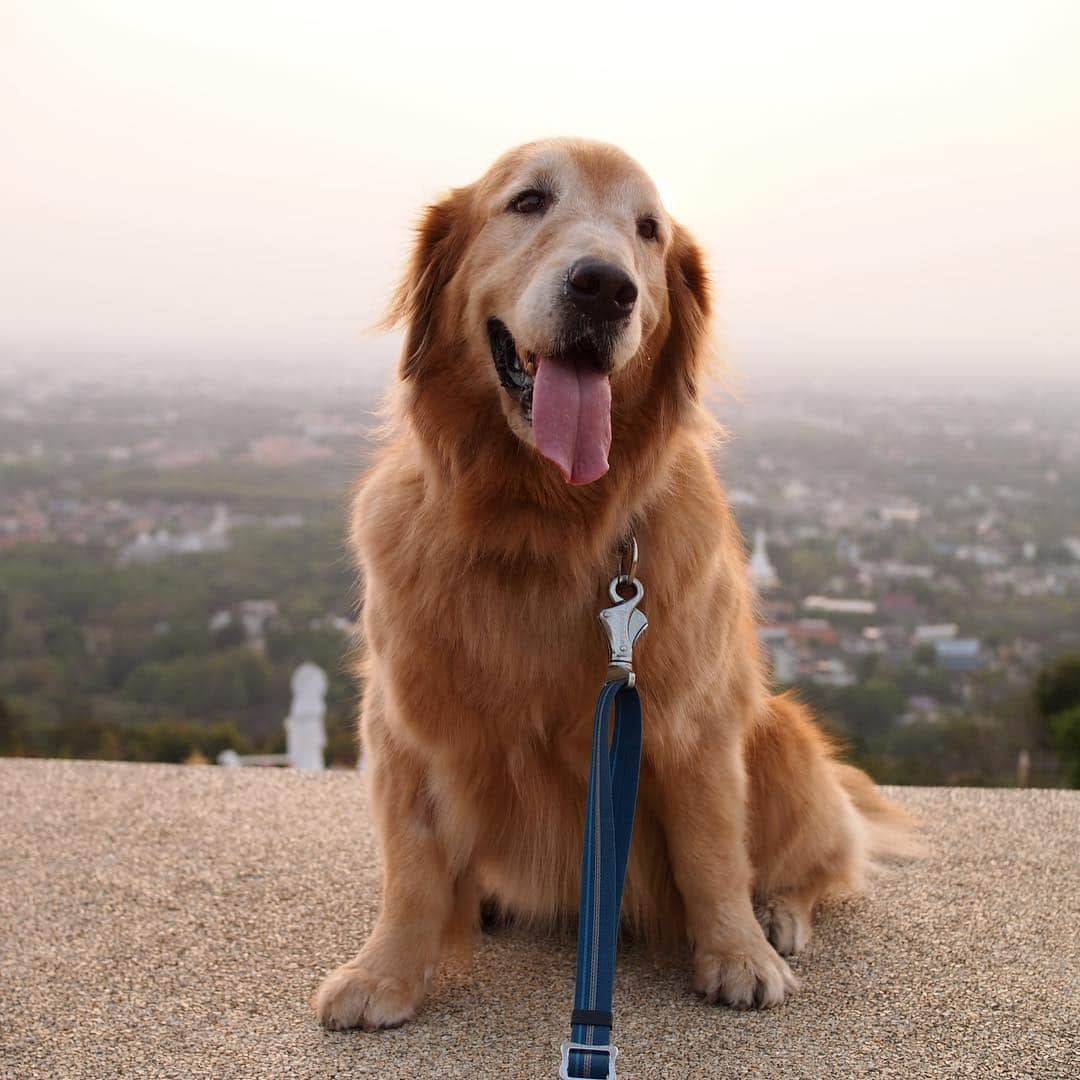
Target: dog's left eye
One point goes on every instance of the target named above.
(646, 228)
(530, 202)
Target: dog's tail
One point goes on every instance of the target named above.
(890, 831)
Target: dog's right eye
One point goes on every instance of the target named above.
(530, 202)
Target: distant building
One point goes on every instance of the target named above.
(959, 654)
(278, 451)
(742, 497)
(782, 654)
(981, 555)
(895, 569)
(348, 627)
(832, 673)
(921, 707)
(900, 513)
(1031, 581)
(847, 550)
(818, 632)
(839, 606)
(795, 491)
(762, 572)
(871, 642)
(898, 605)
(254, 616)
(930, 635)
(151, 547)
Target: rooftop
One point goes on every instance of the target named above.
(169, 921)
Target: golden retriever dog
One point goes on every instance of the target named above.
(556, 342)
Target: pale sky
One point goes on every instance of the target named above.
(879, 186)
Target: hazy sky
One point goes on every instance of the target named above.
(877, 184)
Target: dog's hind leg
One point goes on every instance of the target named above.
(787, 919)
(809, 835)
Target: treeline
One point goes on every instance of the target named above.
(99, 660)
(81, 734)
(242, 484)
(1029, 735)
(109, 661)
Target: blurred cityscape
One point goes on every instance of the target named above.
(171, 549)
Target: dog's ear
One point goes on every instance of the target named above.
(437, 250)
(689, 303)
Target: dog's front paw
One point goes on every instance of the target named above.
(356, 996)
(752, 977)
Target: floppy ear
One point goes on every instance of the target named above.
(689, 304)
(437, 250)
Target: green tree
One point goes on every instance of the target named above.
(175, 741)
(1057, 698)
(1065, 727)
(1057, 686)
(81, 734)
(202, 685)
(11, 730)
(5, 616)
(864, 713)
(64, 639)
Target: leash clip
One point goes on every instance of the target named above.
(623, 624)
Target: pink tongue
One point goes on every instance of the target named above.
(571, 412)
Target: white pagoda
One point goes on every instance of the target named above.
(762, 572)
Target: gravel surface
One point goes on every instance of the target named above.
(168, 921)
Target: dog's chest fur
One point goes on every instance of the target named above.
(488, 655)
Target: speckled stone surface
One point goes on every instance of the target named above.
(163, 921)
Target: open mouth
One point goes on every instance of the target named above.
(565, 395)
(516, 373)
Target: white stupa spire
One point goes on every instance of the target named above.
(762, 572)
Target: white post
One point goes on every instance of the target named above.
(305, 726)
(1023, 769)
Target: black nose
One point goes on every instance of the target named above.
(601, 290)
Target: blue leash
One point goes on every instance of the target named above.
(609, 824)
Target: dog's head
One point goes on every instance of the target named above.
(557, 286)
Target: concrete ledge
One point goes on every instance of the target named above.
(161, 921)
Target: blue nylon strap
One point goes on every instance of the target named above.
(609, 823)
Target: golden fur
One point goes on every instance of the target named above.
(484, 571)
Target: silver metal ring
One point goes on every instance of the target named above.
(628, 558)
(637, 590)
